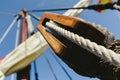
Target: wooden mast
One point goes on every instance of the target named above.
(24, 74)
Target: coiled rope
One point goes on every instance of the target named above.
(98, 50)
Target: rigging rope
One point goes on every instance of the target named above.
(9, 28)
(76, 12)
(37, 18)
(30, 23)
(97, 50)
(70, 78)
(35, 69)
(17, 33)
(68, 13)
(31, 30)
(46, 58)
(112, 6)
(109, 36)
(16, 43)
(34, 16)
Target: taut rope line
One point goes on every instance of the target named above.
(98, 50)
(9, 28)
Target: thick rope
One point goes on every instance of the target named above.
(77, 12)
(109, 36)
(97, 50)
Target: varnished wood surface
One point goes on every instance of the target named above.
(76, 25)
(56, 45)
(80, 60)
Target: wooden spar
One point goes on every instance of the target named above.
(79, 59)
(24, 31)
(24, 74)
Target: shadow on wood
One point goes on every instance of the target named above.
(80, 60)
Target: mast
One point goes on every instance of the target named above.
(24, 74)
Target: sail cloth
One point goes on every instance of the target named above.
(30, 25)
(76, 12)
(23, 55)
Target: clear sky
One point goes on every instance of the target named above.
(109, 19)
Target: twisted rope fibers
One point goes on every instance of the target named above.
(98, 50)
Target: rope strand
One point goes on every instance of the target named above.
(50, 67)
(112, 6)
(35, 69)
(97, 50)
(70, 78)
(16, 43)
(34, 16)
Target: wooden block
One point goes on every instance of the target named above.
(76, 25)
(80, 60)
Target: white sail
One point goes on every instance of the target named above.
(30, 25)
(77, 12)
(23, 55)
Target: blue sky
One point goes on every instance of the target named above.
(109, 19)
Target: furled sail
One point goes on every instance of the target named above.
(76, 12)
(23, 55)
